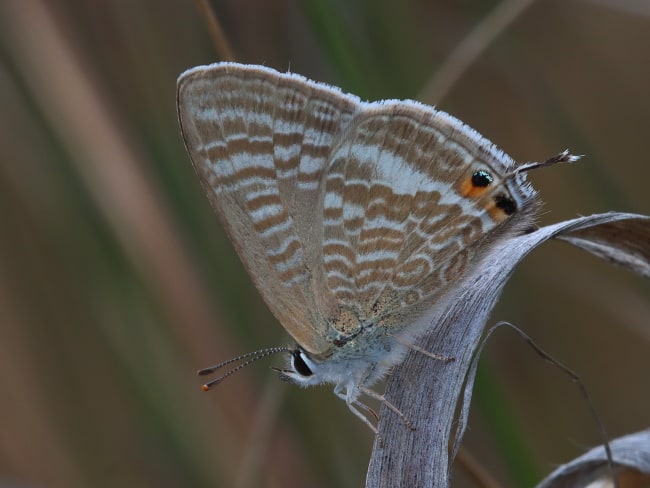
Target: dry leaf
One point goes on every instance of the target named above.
(631, 455)
(428, 391)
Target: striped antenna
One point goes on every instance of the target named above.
(249, 358)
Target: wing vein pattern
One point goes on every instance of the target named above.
(335, 203)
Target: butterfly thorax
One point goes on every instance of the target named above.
(359, 362)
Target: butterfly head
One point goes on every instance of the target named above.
(302, 369)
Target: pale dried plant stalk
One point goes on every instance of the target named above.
(632, 465)
(428, 391)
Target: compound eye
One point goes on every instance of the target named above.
(298, 363)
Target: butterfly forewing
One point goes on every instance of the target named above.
(260, 143)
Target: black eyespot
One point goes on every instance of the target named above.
(299, 364)
(481, 178)
(506, 204)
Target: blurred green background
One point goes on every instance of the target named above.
(117, 283)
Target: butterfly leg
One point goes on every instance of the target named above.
(350, 401)
(382, 399)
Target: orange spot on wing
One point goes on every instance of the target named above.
(496, 214)
(467, 189)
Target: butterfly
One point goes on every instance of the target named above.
(353, 219)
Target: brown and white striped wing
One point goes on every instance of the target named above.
(402, 215)
(332, 202)
(260, 142)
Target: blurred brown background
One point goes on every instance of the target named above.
(117, 283)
